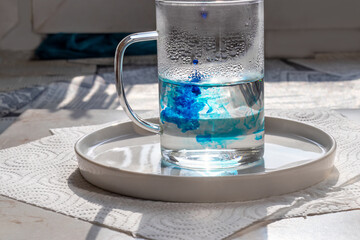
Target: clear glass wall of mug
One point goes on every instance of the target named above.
(211, 89)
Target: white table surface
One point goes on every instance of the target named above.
(24, 221)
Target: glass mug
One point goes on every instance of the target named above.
(211, 89)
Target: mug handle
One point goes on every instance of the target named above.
(118, 65)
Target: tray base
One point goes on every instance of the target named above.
(124, 159)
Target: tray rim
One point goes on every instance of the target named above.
(245, 175)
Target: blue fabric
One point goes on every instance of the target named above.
(73, 46)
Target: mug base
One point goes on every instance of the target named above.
(213, 159)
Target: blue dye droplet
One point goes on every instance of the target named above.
(195, 61)
(204, 14)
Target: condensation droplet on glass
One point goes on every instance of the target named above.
(232, 53)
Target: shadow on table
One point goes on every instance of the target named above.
(96, 91)
(111, 202)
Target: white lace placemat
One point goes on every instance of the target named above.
(44, 173)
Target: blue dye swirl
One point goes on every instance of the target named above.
(182, 106)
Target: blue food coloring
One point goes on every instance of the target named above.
(195, 61)
(210, 108)
(195, 90)
(252, 120)
(204, 14)
(196, 76)
(203, 138)
(182, 103)
(182, 107)
(223, 136)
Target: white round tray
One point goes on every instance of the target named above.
(125, 159)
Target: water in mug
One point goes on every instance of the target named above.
(211, 125)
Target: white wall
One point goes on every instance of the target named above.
(300, 28)
(16, 31)
(294, 28)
